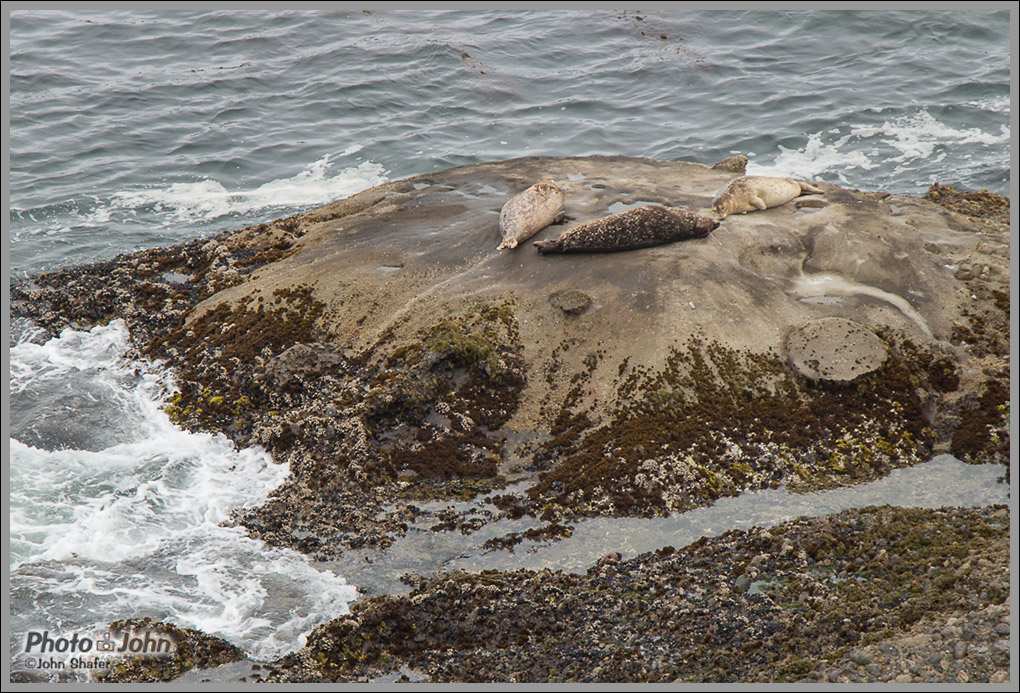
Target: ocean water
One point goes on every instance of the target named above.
(137, 129)
(132, 129)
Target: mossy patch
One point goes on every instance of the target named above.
(439, 402)
(833, 583)
(980, 203)
(218, 352)
(714, 422)
(191, 649)
(982, 435)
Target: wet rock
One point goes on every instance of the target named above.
(835, 349)
(191, 649)
(303, 361)
(571, 302)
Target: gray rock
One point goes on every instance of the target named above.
(571, 302)
(834, 676)
(873, 669)
(960, 650)
(835, 349)
(1002, 628)
(743, 582)
(860, 657)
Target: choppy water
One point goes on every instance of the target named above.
(117, 513)
(135, 129)
(138, 129)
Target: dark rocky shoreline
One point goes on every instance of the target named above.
(298, 335)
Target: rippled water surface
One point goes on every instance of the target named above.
(135, 129)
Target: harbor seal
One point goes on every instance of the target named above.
(526, 214)
(757, 192)
(635, 228)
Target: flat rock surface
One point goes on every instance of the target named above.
(424, 246)
(835, 349)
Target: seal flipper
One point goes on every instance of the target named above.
(548, 246)
(758, 202)
(808, 189)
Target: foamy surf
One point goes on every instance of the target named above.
(135, 527)
(209, 199)
(911, 142)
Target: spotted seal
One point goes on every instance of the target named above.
(757, 192)
(529, 212)
(635, 228)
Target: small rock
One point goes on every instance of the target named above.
(873, 669)
(887, 648)
(571, 302)
(860, 657)
(894, 560)
(960, 650)
(835, 349)
(935, 658)
(743, 582)
(1002, 628)
(999, 677)
(903, 678)
(964, 274)
(834, 676)
(735, 164)
(610, 558)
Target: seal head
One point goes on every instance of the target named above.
(635, 228)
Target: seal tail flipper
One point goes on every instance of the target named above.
(808, 189)
(758, 202)
(508, 243)
(548, 247)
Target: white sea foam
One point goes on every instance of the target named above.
(916, 136)
(135, 528)
(905, 141)
(816, 158)
(210, 199)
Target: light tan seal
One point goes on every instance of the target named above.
(635, 228)
(526, 214)
(757, 192)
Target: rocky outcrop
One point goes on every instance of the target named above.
(385, 351)
(381, 346)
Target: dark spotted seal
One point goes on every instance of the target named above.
(757, 192)
(635, 228)
(526, 214)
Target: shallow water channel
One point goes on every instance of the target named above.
(942, 481)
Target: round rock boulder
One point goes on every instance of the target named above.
(835, 349)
